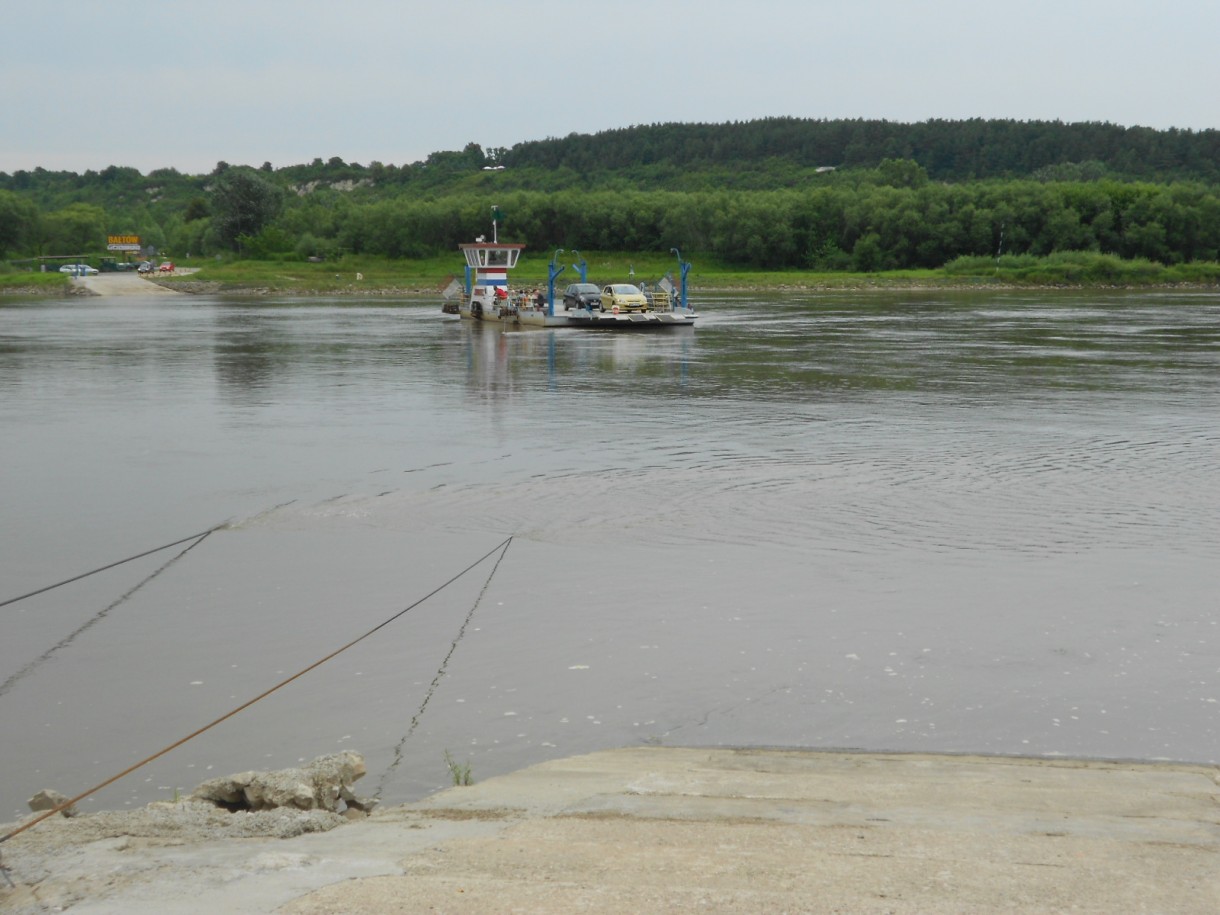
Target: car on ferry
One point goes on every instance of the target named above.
(582, 295)
(623, 297)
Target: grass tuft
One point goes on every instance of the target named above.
(460, 773)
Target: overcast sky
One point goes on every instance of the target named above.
(167, 83)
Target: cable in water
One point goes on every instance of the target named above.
(398, 750)
(101, 615)
(245, 705)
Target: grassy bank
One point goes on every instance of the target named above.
(348, 274)
(25, 282)
(375, 275)
(352, 274)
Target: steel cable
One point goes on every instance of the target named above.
(93, 621)
(68, 581)
(245, 705)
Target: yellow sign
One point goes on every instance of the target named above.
(122, 242)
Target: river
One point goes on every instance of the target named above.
(963, 522)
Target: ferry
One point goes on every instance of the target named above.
(487, 296)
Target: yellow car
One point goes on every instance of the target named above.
(623, 297)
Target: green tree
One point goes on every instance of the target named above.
(242, 204)
(76, 229)
(902, 173)
(867, 254)
(18, 223)
(197, 208)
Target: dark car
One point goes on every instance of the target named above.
(145, 267)
(582, 295)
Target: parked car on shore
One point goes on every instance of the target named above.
(78, 270)
(167, 267)
(582, 295)
(623, 297)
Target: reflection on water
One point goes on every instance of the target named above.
(570, 360)
(973, 522)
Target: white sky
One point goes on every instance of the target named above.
(165, 83)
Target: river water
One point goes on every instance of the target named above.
(968, 522)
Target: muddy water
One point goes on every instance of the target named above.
(967, 522)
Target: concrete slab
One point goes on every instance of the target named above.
(713, 830)
(125, 284)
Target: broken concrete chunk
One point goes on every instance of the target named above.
(319, 785)
(49, 799)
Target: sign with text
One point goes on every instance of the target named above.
(122, 242)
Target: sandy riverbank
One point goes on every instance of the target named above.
(675, 830)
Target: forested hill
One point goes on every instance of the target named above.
(769, 194)
(947, 150)
(766, 154)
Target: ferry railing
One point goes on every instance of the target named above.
(659, 300)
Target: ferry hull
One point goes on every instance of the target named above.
(648, 320)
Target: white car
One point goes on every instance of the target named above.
(78, 270)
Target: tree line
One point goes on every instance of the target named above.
(772, 194)
(867, 227)
(949, 150)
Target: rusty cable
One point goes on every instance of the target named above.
(245, 705)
